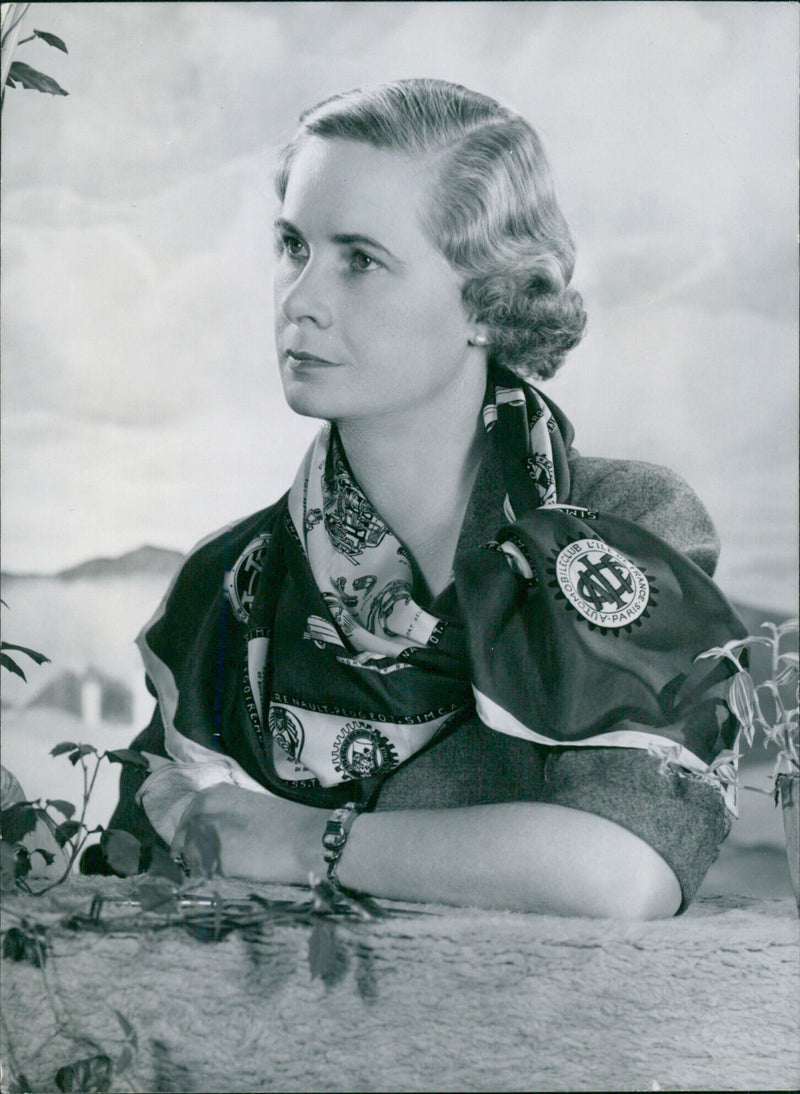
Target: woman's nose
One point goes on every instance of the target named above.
(306, 298)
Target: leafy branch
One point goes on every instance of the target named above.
(762, 707)
(9, 662)
(758, 708)
(17, 73)
(22, 818)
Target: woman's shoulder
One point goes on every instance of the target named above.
(205, 569)
(223, 547)
(654, 497)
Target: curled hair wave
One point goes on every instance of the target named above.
(492, 209)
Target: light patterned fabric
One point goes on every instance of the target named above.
(372, 622)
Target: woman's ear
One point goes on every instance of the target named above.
(480, 336)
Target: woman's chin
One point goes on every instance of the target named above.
(304, 400)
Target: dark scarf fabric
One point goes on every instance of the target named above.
(570, 628)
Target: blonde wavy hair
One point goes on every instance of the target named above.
(493, 211)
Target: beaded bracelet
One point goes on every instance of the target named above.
(335, 837)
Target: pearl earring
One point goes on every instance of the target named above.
(479, 340)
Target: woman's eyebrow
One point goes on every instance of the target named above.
(282, 225)
(368, 241)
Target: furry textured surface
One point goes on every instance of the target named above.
(453, 1000)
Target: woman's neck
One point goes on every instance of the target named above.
(418, 472)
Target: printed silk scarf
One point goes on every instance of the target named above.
(572, 629)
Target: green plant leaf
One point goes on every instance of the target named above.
(14, 944)
(743, 701)
(65, 808)
(26, 944)
(22, 866)
(67, 831)
(8, 866)
(34, 655)
(787, 627)
(34, 80)
(122, 851)
(12, 666)
(80, 751)
(18, 821)
(127, 756)
(51, 39)
(48, 856)
(730, 649)
(89, 1076)
(65, 746)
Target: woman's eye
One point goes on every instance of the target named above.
(362, 262)
(291, 246)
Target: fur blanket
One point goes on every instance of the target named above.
(449, 1001)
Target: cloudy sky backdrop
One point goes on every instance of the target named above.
(140, 396)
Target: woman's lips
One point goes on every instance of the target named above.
(299, 357)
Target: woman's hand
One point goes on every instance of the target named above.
(241, 833)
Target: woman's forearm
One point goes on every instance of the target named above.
(525, 856)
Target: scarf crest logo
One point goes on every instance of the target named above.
(287, 731)
(602, 585)
(242, 581)
(360, 751)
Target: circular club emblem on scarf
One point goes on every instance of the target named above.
(601, 583)
(242, 580)
(360, 751)
(287, 731)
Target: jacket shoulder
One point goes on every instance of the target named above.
(652, 496)
(217, 553)
(200, 581)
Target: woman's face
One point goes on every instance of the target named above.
(368, 313)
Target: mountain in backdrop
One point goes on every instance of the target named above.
(144, 560)
(84, 618)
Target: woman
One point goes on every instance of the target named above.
(334, 651)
